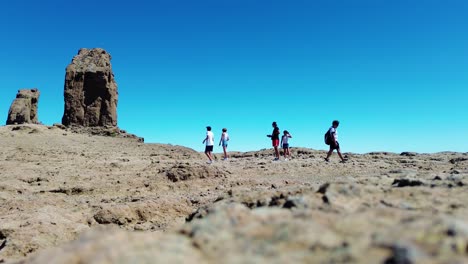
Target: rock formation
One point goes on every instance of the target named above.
(24, 107)
(90, 90)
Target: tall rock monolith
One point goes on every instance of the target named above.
(23, 110)
(90, 90)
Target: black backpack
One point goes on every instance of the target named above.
(328, 137)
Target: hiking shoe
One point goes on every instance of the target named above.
(326, 159)
(275, 159)
(209, 162)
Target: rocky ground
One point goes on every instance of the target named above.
(69, 197)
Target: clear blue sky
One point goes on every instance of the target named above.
(395, 73)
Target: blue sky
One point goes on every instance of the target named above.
(394, 73)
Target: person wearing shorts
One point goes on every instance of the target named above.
(209, 141)
(224, 142)
(285, 144)
(275, 139)
(334, 141)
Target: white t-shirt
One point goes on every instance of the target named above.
(285, 139)
(224, 136)
(210, 138)
(333, 130)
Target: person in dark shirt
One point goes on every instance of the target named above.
(275, 139)
(333, 131)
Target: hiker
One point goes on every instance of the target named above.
(332, 140)
(275, 139)
(224, 142)
(209, 140)
(285, 144)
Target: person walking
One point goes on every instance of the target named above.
(224, 142)
(333, 141)
(275, 139)
(285, 144)
(209, 141)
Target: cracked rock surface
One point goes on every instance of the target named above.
(68, 197)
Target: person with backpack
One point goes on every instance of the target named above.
(331, 138)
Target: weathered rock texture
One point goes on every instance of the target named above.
(73, 198)
(90, 90)
(24, 107)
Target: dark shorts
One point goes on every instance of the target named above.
(275, 142)
(333, 146)
(285, 146)
(208, 149)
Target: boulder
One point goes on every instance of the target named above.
(23, 110)
(90, 90)
(186, 171)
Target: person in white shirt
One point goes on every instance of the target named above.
(209, 141)
(285, 144)
(334, 141)
(224, 142)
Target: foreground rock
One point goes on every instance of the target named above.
(107, 246)
(234, 233)
(90, 90)
(23, 110)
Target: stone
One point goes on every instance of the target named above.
(406, 182)
(399, 255)
(111, 245)
(342, 196)
(90, 90)
(408, 154)
(23, 110)
(457, 160)
(186, 171)
(237, 234)
(116, 215)
(59, 126)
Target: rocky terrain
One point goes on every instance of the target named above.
(68, 197)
